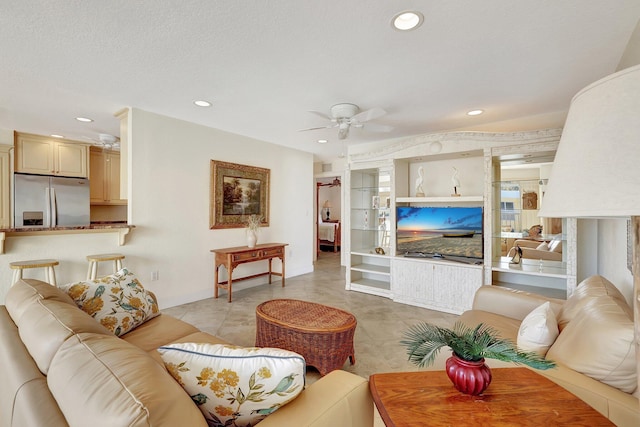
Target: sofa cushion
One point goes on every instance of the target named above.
(22, 383)
(46, 317)
(103, 381)
(26, 291)
(590, 287)
(506, 327)
(538, 330)
(118, 301)
(47, 324)
(160, 330)
(599, 343)
(233, 385)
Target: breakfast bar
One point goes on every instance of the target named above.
(121, 229)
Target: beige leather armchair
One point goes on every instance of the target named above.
(533, 249)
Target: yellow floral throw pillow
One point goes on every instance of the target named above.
(118, 302)
(235, 386)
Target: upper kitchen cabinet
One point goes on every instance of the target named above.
(50, 156)
(5, 186)
(104, 178)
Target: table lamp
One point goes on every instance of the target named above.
(327, 205)
(596, 171)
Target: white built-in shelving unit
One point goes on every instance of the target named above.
(381, 177)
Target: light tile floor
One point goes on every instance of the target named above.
(381, 322)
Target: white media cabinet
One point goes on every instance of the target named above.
(381, 176)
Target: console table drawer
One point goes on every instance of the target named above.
(248, 256)
(273, 252)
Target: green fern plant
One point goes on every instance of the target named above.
(424, 341)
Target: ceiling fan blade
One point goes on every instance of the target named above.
(324, 116)
(371, 114)
(316, 128)
(376, 127)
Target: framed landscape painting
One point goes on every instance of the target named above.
(237, 192)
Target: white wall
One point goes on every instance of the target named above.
(170, 204)
(612, 255)
(169, 197)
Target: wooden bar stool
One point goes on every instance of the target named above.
(95, 259)
(47, 264)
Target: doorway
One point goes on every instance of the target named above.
(328, 221)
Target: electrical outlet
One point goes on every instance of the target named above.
(155, 275)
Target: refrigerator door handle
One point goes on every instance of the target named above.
(47, 207)
(54, 208)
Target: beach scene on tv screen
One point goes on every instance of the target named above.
(454, 231)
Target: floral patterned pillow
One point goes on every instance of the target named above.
(235, 386)
(118, 302)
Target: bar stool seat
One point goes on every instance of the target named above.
(95, 259)
(47, 264)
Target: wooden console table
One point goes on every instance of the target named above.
(232, 257)
(516, 396)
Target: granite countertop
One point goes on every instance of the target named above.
(98, 225)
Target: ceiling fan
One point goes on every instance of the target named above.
(106, 141)
(343, 116)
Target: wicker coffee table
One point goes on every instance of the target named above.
(323, 335)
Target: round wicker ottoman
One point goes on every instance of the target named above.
(323, 335)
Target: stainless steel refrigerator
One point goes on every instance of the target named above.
(50, 201)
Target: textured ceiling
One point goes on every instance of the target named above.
(265, 64)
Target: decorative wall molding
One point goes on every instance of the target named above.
(448, 143)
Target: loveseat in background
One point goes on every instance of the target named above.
(596, 337)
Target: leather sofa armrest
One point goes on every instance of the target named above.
(509, 302)
(339, 398)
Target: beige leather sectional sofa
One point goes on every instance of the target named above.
(59, 367)
(594, 350)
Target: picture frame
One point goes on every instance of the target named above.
(237, 192)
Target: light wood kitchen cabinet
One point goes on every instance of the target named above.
(104, 179)
(5, 186)
(50, 156)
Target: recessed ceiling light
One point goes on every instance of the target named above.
(56, 135)
(405, 21)
(202, 103)
(84, 119)
(475, 112)
(322, 141)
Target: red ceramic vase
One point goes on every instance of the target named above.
(468, 377)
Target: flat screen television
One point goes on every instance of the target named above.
(439, 231)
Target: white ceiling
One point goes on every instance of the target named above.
(265, 64)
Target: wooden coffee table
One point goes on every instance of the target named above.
(323, 335)
(516, 396)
